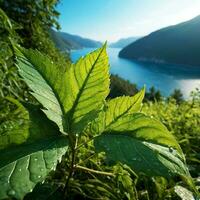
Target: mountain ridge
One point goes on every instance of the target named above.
(178, 44)
(123, 42)
(66, 41)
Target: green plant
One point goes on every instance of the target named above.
(74, 104)
(121, 87)
(177, 95)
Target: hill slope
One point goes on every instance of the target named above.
(66, 41)
(59, 42)
(179, 44)
(123, 42)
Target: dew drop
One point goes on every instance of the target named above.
(35, 159)
(3, 179)
(134, 159)
(39, 176)
(171, 149)
(118, 142)
(20, 170)
(5, 184)
(11, 192)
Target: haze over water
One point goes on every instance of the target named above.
(164, 77)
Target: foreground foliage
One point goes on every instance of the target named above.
(76, 115)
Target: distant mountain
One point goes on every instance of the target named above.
(123, 42)
(66, 41)
(59, 41)
(179, 44)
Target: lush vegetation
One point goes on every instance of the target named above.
(177, 44)
(76, 104)
(65, 141)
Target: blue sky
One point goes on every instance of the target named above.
(113, 19)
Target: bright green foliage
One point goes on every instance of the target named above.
(116, 109)
(131, 131)
(136, 140)
(67, 96)
(87, 88)
(74, 101)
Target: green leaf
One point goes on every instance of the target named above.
(115, 109)
(144, 144)
(23, 167)
(143, 157)
(39, 125)
(184, 193)
(87, 88)
(67, 96)
(45, 191)
(47, 82)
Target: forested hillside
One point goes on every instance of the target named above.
(121, 43)
(178, 44)
(66, 41)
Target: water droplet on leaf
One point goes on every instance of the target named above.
(171, 149)
(11, 192)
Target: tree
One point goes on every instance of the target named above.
(27, 23)
(120, 87)
(153, 94)
(34, 20)
(177, 95)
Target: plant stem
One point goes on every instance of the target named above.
(78, 147)
(73, 161)
(93, 171)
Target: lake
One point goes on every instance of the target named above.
(164, 77)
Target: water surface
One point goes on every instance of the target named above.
(165, 77)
